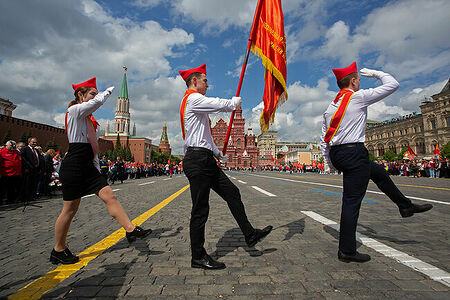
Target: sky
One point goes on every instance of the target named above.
(47, 45)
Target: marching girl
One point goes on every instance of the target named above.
(79, 171)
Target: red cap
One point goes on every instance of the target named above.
(90, 83)
(341, 73)
(185, 74)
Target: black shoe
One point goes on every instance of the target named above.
(413, 209)
(64, 257)
(207, 263)
(357, 257)
(257, 236)
(138, 232)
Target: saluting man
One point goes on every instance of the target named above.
(202, 170)
(343, 136)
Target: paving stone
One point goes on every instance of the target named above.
(296, 261)
(217, 290)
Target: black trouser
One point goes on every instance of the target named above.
(203, 173)
(11, 185)
(30, 180)
(353, 161)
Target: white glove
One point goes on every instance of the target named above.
(110, 90)
(238, 99)
(370, 73)
(329, 168)
(222, 158)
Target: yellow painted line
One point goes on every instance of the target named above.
(42, 285)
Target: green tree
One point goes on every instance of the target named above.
(51, 145)
(7, 136)
(372, 157)
(445, 151)
(400, 155)
(389, 156)
(24, 138)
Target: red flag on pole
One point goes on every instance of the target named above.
(269, 43)
(411, 151)
(437, 152)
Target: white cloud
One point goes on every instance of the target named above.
(218, 16)
(408, 38)
(146, 3)
(69, 43)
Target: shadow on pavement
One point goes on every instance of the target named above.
(141, 244)
(295, 227)
(369, 232)
(233, 239)
(105, 284)
(17, 284)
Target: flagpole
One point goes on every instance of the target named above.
(244, 66)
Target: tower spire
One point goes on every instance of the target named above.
(122, 116)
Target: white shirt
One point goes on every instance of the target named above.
(353, 125)
(76, 118)
(196, 120)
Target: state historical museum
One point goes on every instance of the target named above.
(242, 150)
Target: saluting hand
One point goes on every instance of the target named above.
(110, 89)
(369, 73)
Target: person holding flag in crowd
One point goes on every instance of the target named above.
(343, 136)
(80, 174)
(202, 170)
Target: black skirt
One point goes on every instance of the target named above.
(78, 175)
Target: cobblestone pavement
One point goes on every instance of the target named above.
(298, 260)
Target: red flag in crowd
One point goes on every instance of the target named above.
(437, 152)
(411, 151)
(269, 43)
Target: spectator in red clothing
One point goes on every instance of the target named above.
(10, 171)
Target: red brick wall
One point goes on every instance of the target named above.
(44, 133)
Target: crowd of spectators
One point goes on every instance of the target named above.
(120, 170)
(433, 168)
(27, 173)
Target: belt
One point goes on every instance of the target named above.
(200, 149)
(347, 145)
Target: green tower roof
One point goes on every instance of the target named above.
(164, 137)
(124, 88)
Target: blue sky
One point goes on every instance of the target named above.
(47, 45)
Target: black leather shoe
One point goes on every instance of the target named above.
(414, 208)
(138, 232)
(207, 263)
(64, 257)
(357, 257)
(257, 236)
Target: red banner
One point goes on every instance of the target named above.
(269, 43)
(411, 151)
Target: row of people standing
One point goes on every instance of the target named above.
(120, 170)
(26, 171)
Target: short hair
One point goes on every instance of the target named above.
(13, 143)
(345, 82)
(29, 139)
(189, 79)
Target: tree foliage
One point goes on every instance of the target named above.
(390, 156)
(445, 151)
(7, 136)
(163, 158)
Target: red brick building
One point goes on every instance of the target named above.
(164, 146)
(242, 150)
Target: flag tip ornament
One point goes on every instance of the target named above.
(88, 83)
(341, 73)
(185, 73)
